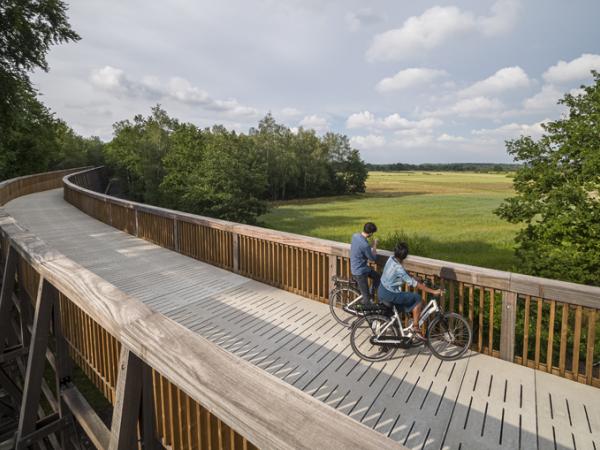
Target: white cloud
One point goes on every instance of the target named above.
(355, 20)
(503, 18)
(367, 142)
(362, 119)
(438, 25)
(544, 100)
(577, 69)
(176, 88)
(413, 138)
(512, 130)
(411, 77)
(366, 119)
(109, 78)
(395, 121)
(444, 137)
(504, 79)
(317, 123)
(470, 107)
(182, 90)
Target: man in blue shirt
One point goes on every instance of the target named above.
(360, 254)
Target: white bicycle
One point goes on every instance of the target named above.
(379, 333)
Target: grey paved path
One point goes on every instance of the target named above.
(475, 403)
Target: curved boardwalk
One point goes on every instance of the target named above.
(475, 403)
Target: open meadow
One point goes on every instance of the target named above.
(443, 215)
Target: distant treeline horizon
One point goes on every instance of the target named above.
(444, 167)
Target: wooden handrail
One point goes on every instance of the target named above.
(566, 292)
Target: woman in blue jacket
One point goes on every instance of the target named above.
(394, 277)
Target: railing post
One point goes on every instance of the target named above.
(332, 272)
(236, 252)
(508, 325)
(136, 222)
(175, 234)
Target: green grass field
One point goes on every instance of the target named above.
(444, 215)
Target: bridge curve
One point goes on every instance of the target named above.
(414, 400)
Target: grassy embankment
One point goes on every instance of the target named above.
(444, 215)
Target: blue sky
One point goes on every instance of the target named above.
(426, 81)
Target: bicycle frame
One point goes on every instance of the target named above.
(431, 308)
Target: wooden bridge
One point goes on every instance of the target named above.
(210, 334)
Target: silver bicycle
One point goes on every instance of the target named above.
(379, 333)
(345, 301)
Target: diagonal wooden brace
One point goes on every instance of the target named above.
(134, 401)
(46, 298)
(8, 286)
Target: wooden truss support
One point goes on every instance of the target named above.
(8, 286)
(134, 403)
(46, 317)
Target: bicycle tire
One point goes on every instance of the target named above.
(449, 336)
(338, 298)
(362, 331)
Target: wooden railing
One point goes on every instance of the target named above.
(134, 355)
(544, 324)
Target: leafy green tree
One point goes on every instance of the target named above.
(30, 137)
(558, 193)
(27, 136)
(136, 153)
(27, 30)
(215, 172)
(350, 171)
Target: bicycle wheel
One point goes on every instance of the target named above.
(449, 336)
(338, 298)
(363, 330)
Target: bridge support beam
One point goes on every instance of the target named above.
(134, 403)
(8, 286)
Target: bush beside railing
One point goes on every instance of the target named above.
(544, 324)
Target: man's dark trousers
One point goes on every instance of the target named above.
(363, 285)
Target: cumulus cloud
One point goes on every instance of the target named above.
(176, 88)
(502, 19)
(362, 119)
(413, 138)
(512, 130)
(479, 106)
(367, 142)
(409, 78)
(575, 70)
(503, 80)
(436, 26)
(317, 123)
(444, 137)
(544, 100)
(355, 20)
(395, 121)
(366, 119)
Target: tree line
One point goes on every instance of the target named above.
(224, 174)
(441, 167)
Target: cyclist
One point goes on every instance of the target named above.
(394, 276)
(360, 253)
